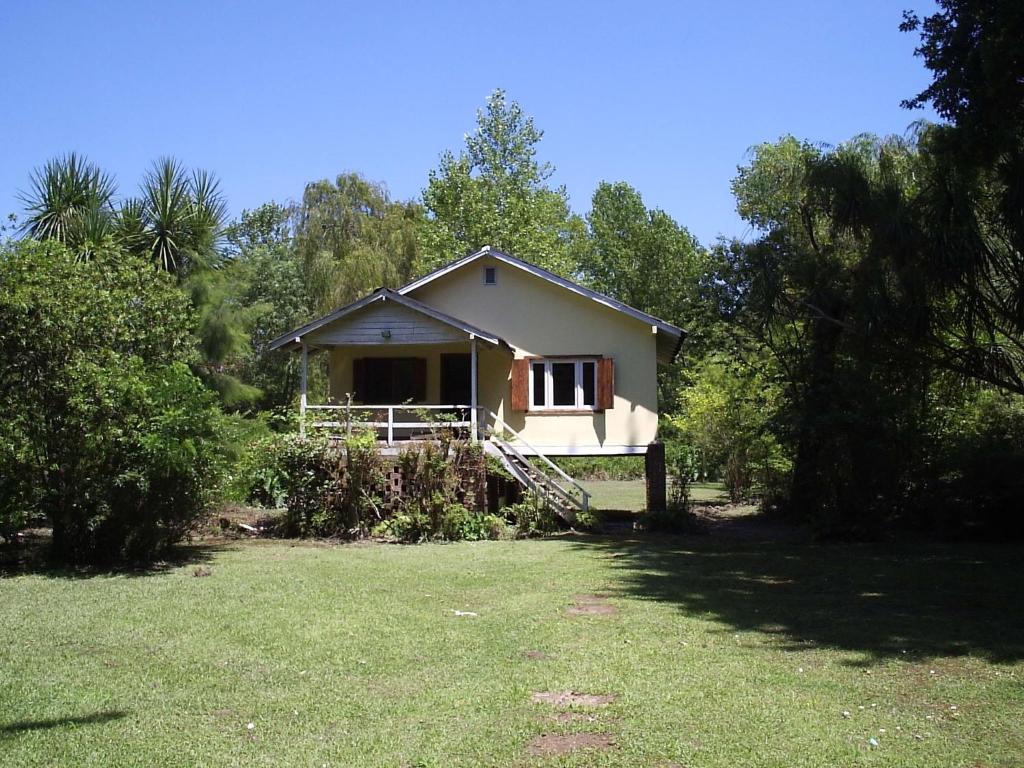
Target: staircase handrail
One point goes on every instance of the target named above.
(558, 470)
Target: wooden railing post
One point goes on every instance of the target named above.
(472, 388)
(302, 390)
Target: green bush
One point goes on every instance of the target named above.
(602, 467)
(589, 520)
(675, 519)
(106, 431)
(532, 516)
(327, 491)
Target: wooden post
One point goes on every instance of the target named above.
(654, 469)
(302, 390)
(472, 388)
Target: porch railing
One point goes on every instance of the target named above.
(408, 421)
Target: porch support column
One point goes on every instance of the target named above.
(303, 379)
(472, 388)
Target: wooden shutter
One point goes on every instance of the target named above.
(520, 385)
(419, 379)
(605, 384)
(359, 379)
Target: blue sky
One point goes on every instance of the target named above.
(668, 96)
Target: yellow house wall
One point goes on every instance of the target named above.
(540, 319)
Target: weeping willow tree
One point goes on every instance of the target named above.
(351, 238)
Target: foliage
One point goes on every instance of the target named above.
(351, 237)
(107, 432)
(269, 280)
(327, 491)
(343, 492)
(589, 520)
(725, 417)
(496, 192)
(532, 516)
(672, 520)
(972, 479)
(602, 467)
(70, 200)
(640, 256)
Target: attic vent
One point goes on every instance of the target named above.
(490, 276)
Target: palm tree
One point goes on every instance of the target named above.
(70, 202)
(185, 215)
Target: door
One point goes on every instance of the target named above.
(455, 379)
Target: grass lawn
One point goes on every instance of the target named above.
(631, 495)
(719, 653)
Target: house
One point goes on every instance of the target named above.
(528, 361)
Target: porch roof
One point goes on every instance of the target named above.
(293, 340)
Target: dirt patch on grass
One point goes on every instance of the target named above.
(550, 744)
(592, 610)
(572, 699)
(590, 599)
(536, 655)
(591, 605)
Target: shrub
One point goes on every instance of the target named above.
(106, 430)
(602, 467)
(589, 520)
(532, 516)
(671, 520)
(327, 491)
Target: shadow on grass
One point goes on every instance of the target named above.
(12, 729)
(907, 600)
(31, 557)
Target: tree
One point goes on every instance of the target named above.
(351, 238)
(271, 285)
(839, 310)
(971, 201)
(178, 218)
(726, 415)
(973, 49)
(496, 192)
(106, 432)
(640, 256)
(70, 201)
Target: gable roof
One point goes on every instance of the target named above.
(292, 339)
(666, 351)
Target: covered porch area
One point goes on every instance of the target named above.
(400, 368)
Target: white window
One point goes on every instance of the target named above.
(563, 384)
(490, 275)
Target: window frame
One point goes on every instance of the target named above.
(549, 395)
(494, 272)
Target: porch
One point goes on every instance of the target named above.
(396, 424)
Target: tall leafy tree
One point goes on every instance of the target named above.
(971, 201)
(496, 192)
(837, 308)
(351, 237)
(640, 256)
(271, 285)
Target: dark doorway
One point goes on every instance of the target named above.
(455, 383)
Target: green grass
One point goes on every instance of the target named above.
(631, 495)
(721, 654)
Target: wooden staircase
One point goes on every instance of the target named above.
(552, 485)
